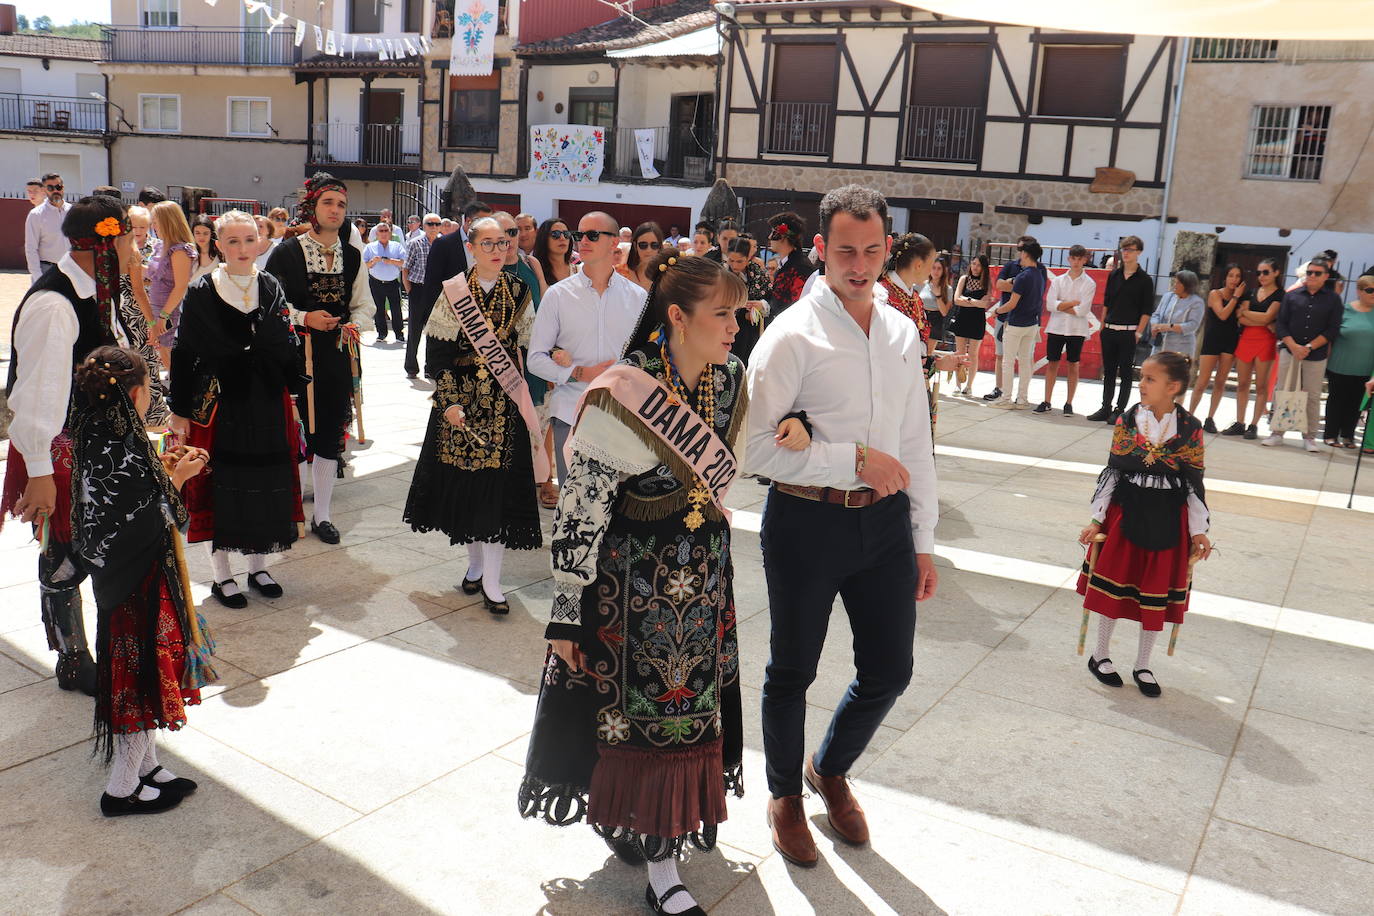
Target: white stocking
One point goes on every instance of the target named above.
(663, 875)
(219, 568)
(124, 769)
(257, 562)
(492, 555)
(322, 473)
(1105, 626)
(475, 562)
(150, 762)
(1147, 645)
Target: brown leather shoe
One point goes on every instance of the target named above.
(791, 834)
(840, 804)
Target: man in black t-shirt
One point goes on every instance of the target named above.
(1129, 300)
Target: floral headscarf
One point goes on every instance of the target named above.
(103, 245)
(315, 186)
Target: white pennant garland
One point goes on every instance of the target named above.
(300, 32)
(274, 20)
(337, 44)
(330, 47)
(319, 38)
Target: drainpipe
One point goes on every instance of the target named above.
(1185, 50)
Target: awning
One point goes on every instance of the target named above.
(701, 43)
(1346, 20)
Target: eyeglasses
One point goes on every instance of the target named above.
(52, 187)
(512, 232)
(591, 235)
(559, 234)
(490, 245)
(436, 225)
(1316, 273)
(645, 246)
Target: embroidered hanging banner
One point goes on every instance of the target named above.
(644, 145)
(567, 153)
(474, 36)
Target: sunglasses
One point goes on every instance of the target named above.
(645, 246)
(1316, 273)
(512, 232)
(434, 224)
(490, 245)
(1367, 290)
(559, 234)
(52, 187)
(592, 235)
(1264, 273)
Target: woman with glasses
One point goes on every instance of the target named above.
(474, 478)
(1220, 334)
(644, 246)
(1256, 348)
(739, 258)
(1350, 366)
(785, 240)
(553, 251)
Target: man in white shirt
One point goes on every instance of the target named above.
(1069, 301)
(413, 229)
(383, 217)
(34, 189)
(582, 325)
(384, 259)
(62, 318)
(852, 515)
(44, 243)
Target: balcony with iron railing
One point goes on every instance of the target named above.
(943, 133)
(51, 113)
(1269, 50)
(211, 46)
(678, 155)
(799, 128)
(385, 145)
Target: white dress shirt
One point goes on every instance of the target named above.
(1064, 287)
(855, 388)
(1158, 432)
(593, 327)
(360, 307)
(43, 341)
(43, 238)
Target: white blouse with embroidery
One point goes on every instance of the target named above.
(1158, 432)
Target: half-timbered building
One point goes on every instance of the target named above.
(975, 131)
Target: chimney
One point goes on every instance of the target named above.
(9, 19)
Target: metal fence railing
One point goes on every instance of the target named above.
(1243, 50)
(678, 154)
(366, 144)
(799, 127)
(248, 47)
(20, 111)
(942, 133)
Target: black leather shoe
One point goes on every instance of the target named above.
(1252, 431)
(179, 786)
(1068, 409)
(325, 531)
(1209, 425)
(400, 338)
(1146, 687)
(1097, 416)
(499, 608)
(656, 902)
(1235, 429)
(993, 395)
(471, 586)
(265, 586)
(1111, 680)
(118, 807)
(237, 602)
(1042, 407)
(76, 671)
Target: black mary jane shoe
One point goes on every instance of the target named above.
(325, 531)
(76, 671)
(656, 901)
(268, 588)
(236, 602)
(178, 786)
(1111, 680)
(471, 586)
(1146, 687)
(118, 807)
(499, 608)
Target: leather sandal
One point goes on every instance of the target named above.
(548, 495)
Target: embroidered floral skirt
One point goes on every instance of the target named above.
(1126, 581)
(130, 640)
(647, 737)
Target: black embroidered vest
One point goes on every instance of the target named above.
(89, 333)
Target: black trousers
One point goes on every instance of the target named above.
(386, 292)
(1343, 396)
(812, 552)
(420, 306)
(1118, 363)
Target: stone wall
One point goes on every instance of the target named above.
(992, 192)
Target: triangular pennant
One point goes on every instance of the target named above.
(252, 6)
(381, 52)
(319, 38)
(330, 47)
(300, 32)
(274, 19)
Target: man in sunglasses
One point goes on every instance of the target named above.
(44, 243)
(1308, 323)
(582, 324)
(448, 257)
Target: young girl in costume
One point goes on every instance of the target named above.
(638, 729)
(125, 512)
(1150, 505)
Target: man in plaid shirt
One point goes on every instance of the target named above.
(413, 279)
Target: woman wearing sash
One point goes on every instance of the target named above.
(474, 480)
(638, 727)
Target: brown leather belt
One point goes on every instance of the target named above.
(850, 499)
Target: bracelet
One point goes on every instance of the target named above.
(862, 461)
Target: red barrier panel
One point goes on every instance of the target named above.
(12, 213)
(1089, 367)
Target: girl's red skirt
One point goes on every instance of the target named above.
(132, 710)
(1124, 581)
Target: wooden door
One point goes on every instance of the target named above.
(1248, 258)
(381, 126)
(939, 226)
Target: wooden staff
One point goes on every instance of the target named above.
(1093, 550)
(1193, 557)
(358, 399)
(310, 386)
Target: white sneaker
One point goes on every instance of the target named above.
(1311, 445)
(1022, 405)
(1272, 439)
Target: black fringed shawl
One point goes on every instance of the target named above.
(1153, 482)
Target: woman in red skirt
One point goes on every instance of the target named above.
(1150, 505)
(150, 652)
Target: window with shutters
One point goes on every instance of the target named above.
(1082, 81)
(250, 117)
(1287, 142)
(947, 102)
(801, 107)
(160, 114)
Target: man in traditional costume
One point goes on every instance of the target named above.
(322, 275)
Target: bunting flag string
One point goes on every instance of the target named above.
(336, 44)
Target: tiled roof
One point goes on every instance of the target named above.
(362, 61)
(649, 26)
(55, 46)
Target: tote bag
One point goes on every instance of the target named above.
(1290, 403)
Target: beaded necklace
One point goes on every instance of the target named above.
(698, 495)
(500, 314)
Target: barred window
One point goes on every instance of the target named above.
(1287, 142)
